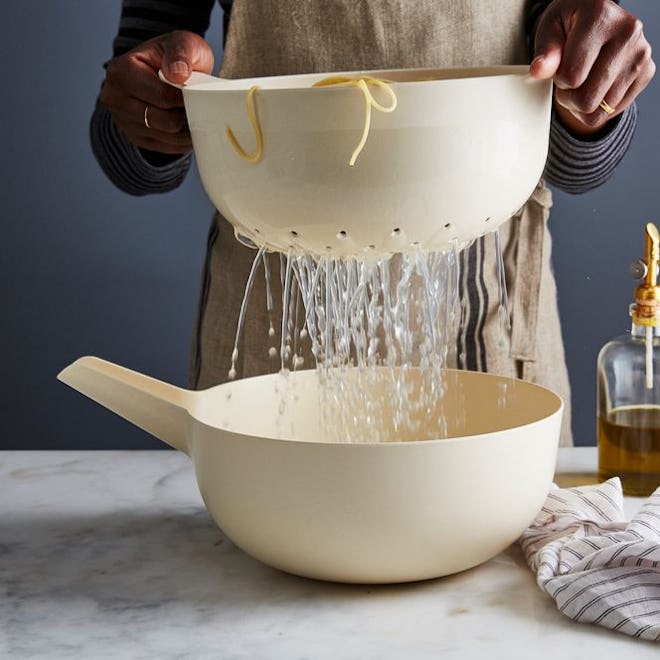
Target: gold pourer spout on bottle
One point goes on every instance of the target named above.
(646, 309)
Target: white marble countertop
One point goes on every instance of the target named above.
(112, 555)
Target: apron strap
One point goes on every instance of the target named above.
(531, 223)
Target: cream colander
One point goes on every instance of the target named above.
(446, 155)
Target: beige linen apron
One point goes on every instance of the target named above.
(277, 37)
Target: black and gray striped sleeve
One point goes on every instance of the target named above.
(575, 165)
(133, 170)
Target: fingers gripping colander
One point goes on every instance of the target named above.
(461, 153)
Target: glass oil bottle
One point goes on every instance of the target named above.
(629, 387)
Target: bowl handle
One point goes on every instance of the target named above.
(150, 404)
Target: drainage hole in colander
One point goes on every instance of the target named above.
(447, 225)
(294, 233)
(487, 219)
(342, 235)
(396, 231)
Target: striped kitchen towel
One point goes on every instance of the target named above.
(598, 568)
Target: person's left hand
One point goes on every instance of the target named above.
(598, 57)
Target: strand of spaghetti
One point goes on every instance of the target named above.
(363, 83)
(256, 127)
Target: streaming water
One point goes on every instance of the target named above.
(369, 325)
(379, 332)
(241, 315)
(272, 351)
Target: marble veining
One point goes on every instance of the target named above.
(112, 555)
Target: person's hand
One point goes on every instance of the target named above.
(598, 57)
(148, 111)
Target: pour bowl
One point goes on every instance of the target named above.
(460, 154)
(363, 513)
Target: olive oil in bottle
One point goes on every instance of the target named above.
(629, 447)
(629, 388)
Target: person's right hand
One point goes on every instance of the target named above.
(133, 93)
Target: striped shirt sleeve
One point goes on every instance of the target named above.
(576, 166)
(133, 170)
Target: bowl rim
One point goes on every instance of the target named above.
(557, 408)
(452, 74)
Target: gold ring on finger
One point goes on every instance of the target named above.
(603, 105)
(146, 116)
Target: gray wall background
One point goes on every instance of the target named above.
(85, 269)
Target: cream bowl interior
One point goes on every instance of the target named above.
(368, 513)
(461, 153)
